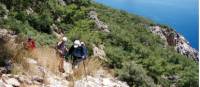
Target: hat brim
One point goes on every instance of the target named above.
(75, 46)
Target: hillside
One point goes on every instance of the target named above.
(134, 49)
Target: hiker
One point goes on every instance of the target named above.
(61, 49)
(30, 44)
(78, 52)
(61, 46)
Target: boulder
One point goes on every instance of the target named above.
(12, 81)
(99, 52)
(67, 67)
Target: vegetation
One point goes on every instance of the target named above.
(137, 56)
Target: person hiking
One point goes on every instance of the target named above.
(61, 46)
(77, 52)
(30, 44)
(61, 49)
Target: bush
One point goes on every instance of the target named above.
(2, 10)
(129, 39)
(135, 75)
(41, 23)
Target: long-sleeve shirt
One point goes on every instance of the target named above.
(77, 52)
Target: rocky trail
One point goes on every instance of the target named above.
(39, 68)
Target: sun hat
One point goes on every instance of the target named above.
(77, 43)
(64, 38)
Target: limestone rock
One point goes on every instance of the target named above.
(100, 25)
(176, 40)
(29, 11)
(13, 82)
(101, 78)
(3, 70)
(99, 52)
(37, 79)
(56, 31)
(7, 35)
(54, 81)
(90, 81)
(67, 67)
(31, 61)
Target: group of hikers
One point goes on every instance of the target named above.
(77, 52)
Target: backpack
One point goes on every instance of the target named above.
(84, 51)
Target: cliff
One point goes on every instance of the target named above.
(174, 39)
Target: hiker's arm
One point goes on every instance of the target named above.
(70, 51)
(84, 52)
(59, 43)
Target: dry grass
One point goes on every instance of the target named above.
(18, 57)
(47, 58)
(91, 66)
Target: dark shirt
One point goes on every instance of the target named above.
(61, 46)
(77, 52)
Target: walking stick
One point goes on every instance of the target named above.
(85, 69)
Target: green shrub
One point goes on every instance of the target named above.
(41, 23)
(129, 39)
(135, 75)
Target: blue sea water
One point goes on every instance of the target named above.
(182, 15)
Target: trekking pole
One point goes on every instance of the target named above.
(85, 69)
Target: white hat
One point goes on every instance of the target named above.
(77, 43)
(64, 38)
(82, 43)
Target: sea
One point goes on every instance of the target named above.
(181, 15)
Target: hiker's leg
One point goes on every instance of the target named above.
(73, 62)
(78, 61)
(61, 67)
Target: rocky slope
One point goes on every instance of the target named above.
(49, 79)
(172, 38)
(40, 75)
(119, 40)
